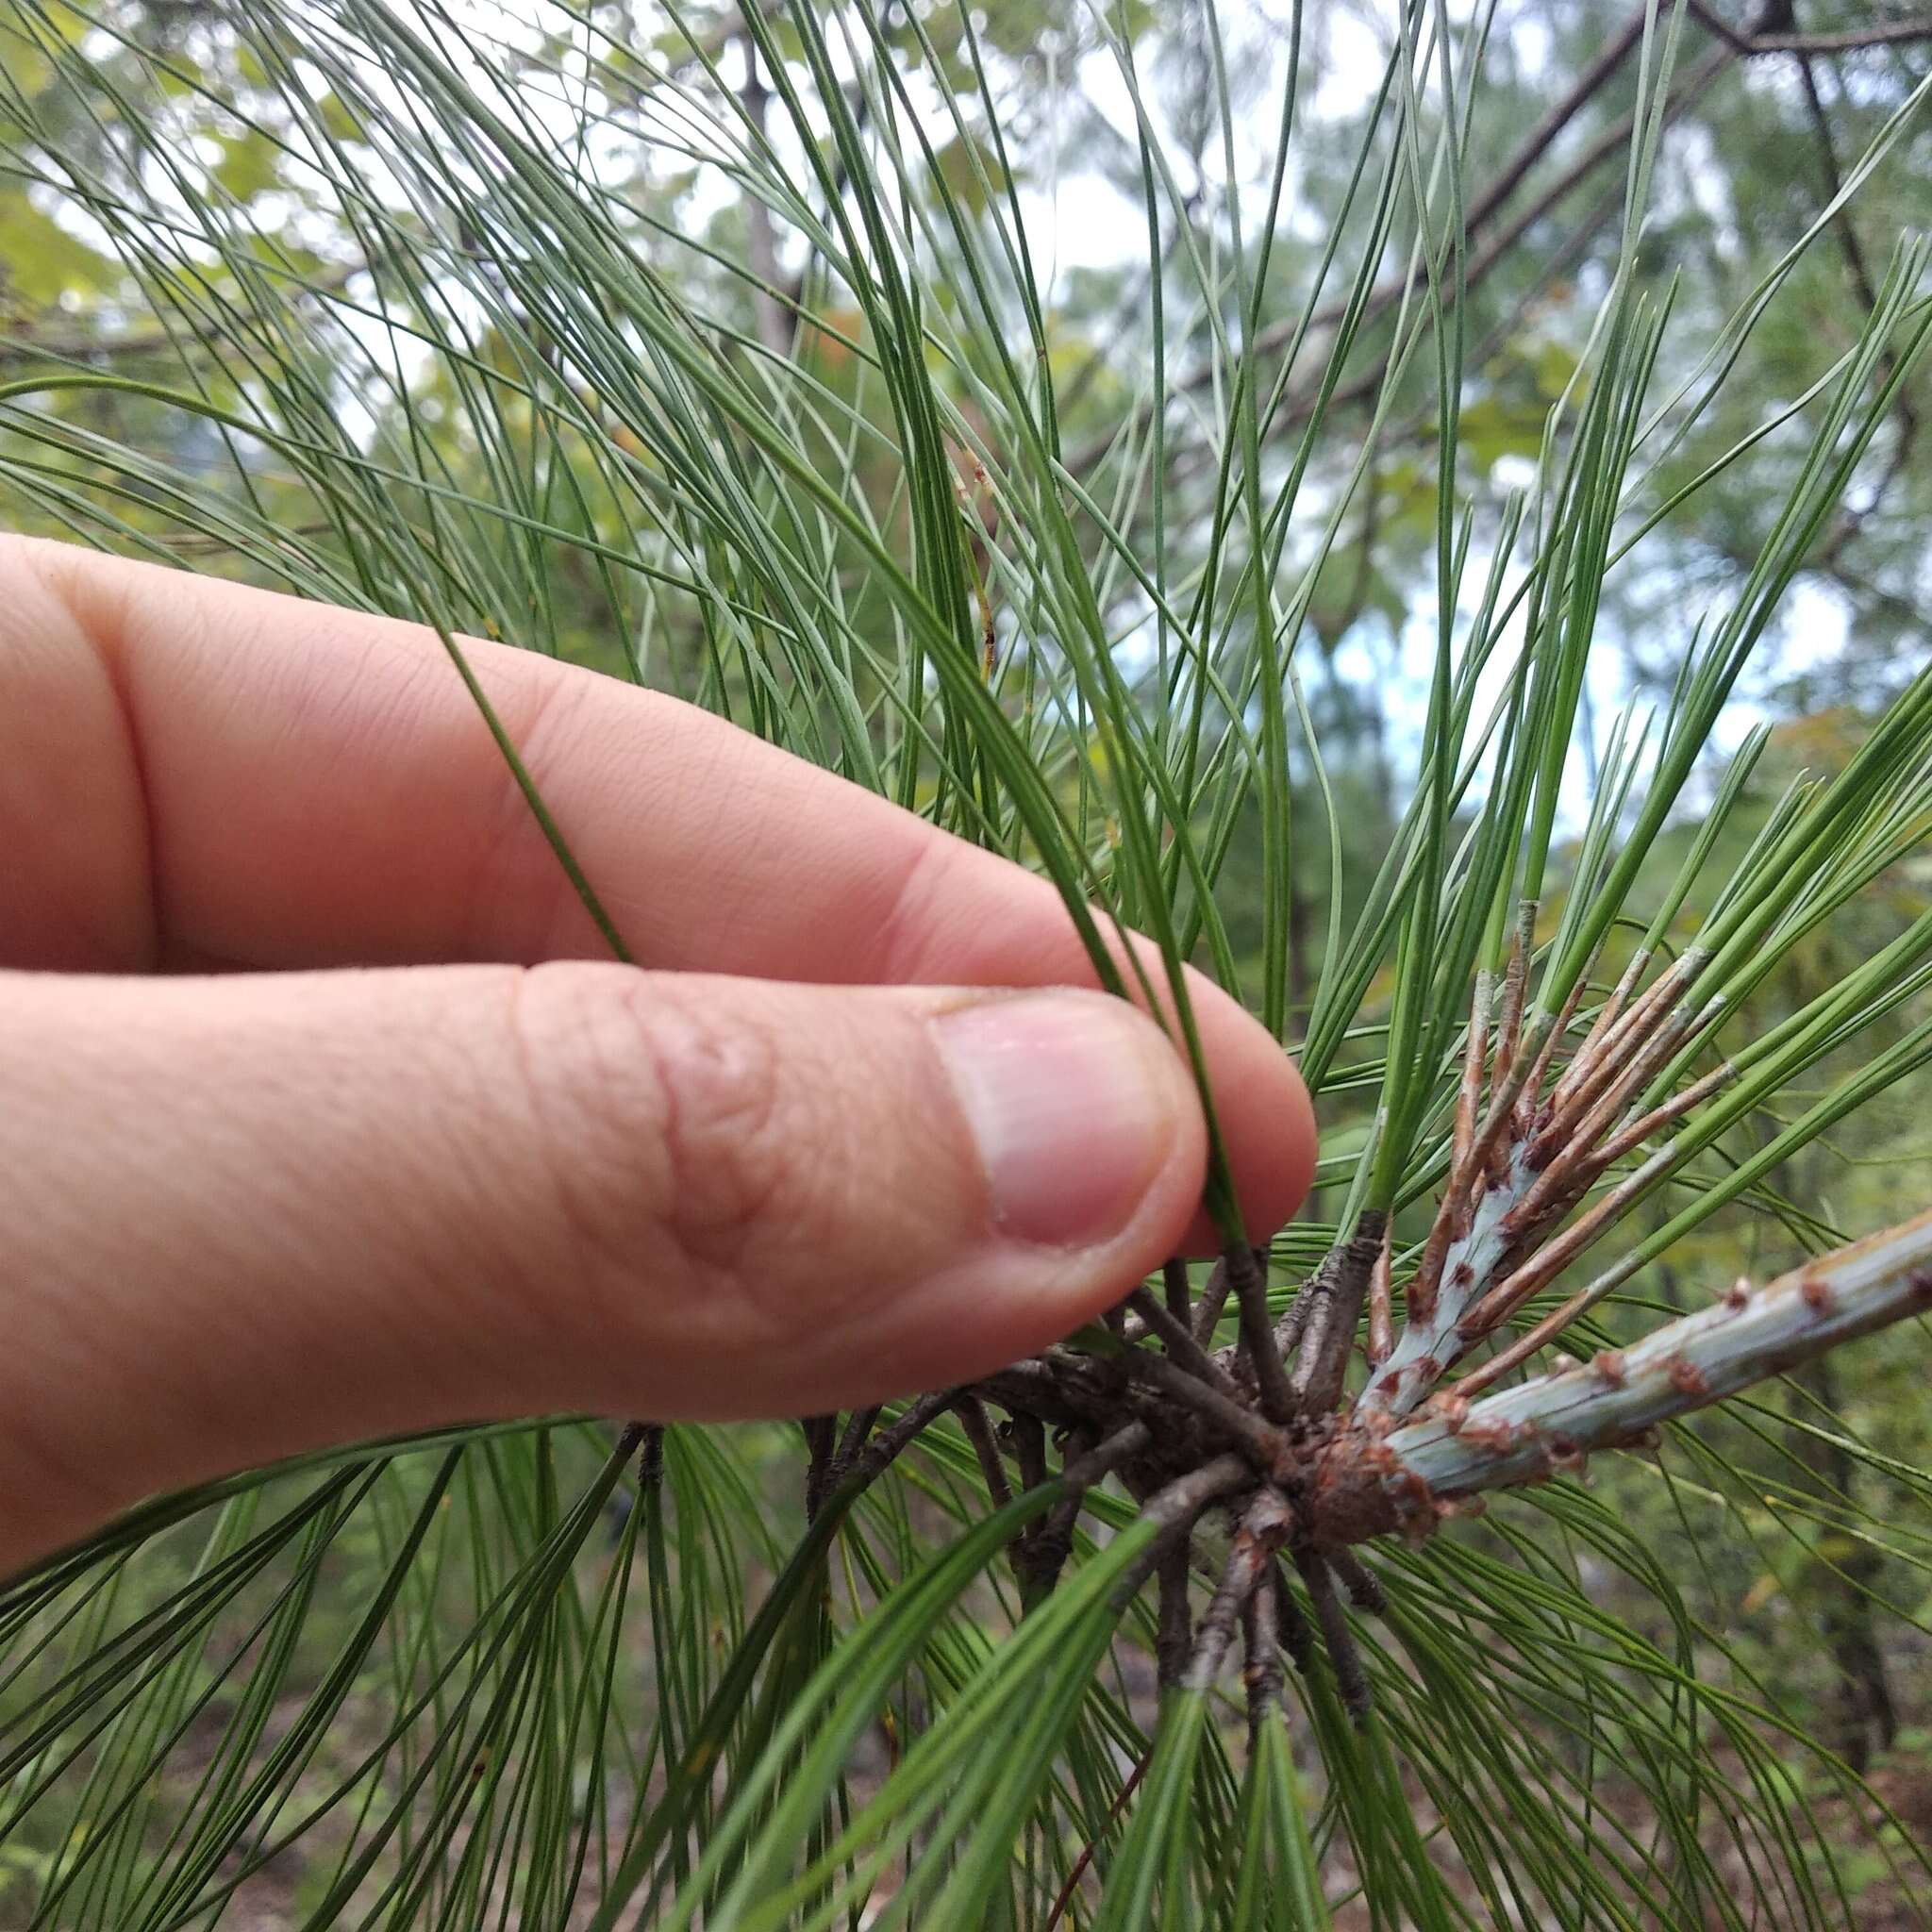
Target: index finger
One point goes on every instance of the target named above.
(205, 772)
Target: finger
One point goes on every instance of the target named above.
(195, 771)
(242, 1217)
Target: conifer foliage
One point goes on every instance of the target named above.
(1199, 1618)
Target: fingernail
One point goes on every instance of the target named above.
(1075, 1102)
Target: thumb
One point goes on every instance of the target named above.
(242, 1217)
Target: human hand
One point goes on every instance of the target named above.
(800, 1159)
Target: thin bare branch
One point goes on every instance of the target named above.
(1420, 1300)
(1174, 1640)
(1180, 1345)
(1029, 1449)
(1264, 1527)
(1307, 1297)
(650, 1445)
(1260, 1439)
(1363, 1586)
(1052, 1543)
(1176, 1507)
(1558, 1033)
(1627, 1140)
(1077, 1871)
(1249, 1281)
(1350, 1679)
(1261, 1640)
(1381, 1335)
(879, 1454)
(1515, 981)
(821, 1442)
(978, 1427)
(1175, 1286)
(1322, 1368)
(858, 1425)
(1551, 1260)
(1754, 44)
(1469, 1095)
(1604, 1058)
(1213, 1301)
(1608, 1014)
(1297, 1634)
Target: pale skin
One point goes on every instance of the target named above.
(324, 1118)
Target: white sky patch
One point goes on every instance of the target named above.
(1354, 54)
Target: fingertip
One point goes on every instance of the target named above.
(1273, 1162)
(1262, 1114)
(1085, 1122)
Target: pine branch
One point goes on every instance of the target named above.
(1482, 211)
(1523, 1434)
(1733, 43)
(1753, 41)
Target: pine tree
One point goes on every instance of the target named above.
(1188, 1620)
